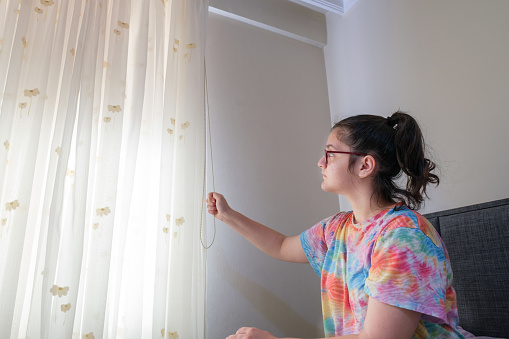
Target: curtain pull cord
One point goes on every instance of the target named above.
(207, 118)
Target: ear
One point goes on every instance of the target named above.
(366, 166)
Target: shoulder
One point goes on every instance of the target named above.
(339, 218)
(336, 221)
(404, 217)
(400, 219)
(327, 228)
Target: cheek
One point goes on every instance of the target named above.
(339, 172)
(337, 166)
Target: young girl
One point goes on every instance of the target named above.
(385, 272)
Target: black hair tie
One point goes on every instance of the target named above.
(392, 122)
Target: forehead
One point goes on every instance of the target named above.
(333, 143)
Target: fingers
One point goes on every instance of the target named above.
(243, 330)
(212, 209)
(251, 333)
(210, 196)
(217, 205)
(213, 198)
(211, 203)
(239, 334)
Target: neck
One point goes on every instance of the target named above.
(363, 201)
(363, 211)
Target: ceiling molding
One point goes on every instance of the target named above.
(270, 28)
(325, 6)
(283, 17)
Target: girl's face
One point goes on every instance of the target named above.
(337, 177)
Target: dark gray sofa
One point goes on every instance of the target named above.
(477, 239)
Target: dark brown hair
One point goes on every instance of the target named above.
(397, 145)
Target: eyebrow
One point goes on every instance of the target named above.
(330, 146)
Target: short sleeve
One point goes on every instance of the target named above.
(314, 244)
(409, 271)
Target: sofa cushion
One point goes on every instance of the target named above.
(478, 244)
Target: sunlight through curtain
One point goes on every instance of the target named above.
(102, 151)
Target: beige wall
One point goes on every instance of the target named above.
(446, 63)
(270, 120)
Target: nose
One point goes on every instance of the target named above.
(321, 162)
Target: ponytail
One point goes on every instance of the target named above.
(397, 144)
(410, 152)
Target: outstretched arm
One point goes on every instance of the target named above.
(264, 238)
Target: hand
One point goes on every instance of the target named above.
(217, 205)
(251, 333)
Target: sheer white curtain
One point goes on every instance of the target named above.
(102, 142)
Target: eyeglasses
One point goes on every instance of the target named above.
(341, 152)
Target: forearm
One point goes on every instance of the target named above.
(264, 238)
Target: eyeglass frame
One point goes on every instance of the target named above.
(340, 152)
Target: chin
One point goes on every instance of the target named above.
(329, 189)
(325, 188)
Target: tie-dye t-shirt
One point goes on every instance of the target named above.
(396, 257)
